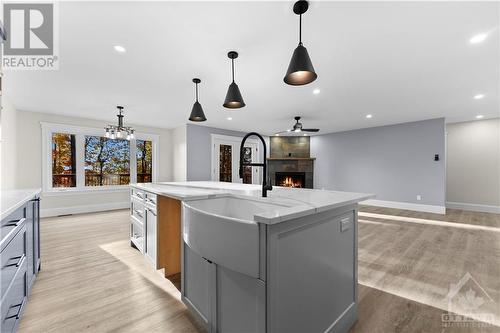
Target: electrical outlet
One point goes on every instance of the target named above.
(419, 197)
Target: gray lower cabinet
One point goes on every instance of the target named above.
(312, 265)
(33, 244)
(308, 280)
(30, 258)
(20, 261)
(199, 286)
(224, 300)
(240, 302)
(36, 235)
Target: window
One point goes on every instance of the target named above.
(107, 161)
(144, 157)
(82, 159)
(63, 160)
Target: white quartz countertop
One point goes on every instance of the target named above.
(10, 200)
(298, 202)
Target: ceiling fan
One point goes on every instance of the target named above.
(297, 127)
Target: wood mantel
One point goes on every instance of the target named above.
(291, 158)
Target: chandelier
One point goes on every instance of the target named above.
(120, 131)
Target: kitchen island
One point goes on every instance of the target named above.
(285, 263)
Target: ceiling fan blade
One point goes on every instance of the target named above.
(310, 130)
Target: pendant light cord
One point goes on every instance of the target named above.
(300, 29)
(232, 66)
(197, 92)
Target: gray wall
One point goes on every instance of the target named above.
(394, 162)
(473, 163)
(198, 140)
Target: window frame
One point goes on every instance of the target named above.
(80, 132)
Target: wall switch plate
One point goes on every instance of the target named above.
(419, 197)
(345, 224)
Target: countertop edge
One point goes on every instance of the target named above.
(304, 210)
(30, 193)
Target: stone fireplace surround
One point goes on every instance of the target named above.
(291, 154)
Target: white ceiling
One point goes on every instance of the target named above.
(399, 62)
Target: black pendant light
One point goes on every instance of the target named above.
(233, 97)
(197, 111)
(300, 71)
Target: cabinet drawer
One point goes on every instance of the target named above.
(10, 225)
(346, 222)
(12, 258)
(14, 300)
(137, 210)
(151, 200)
(137, 234)
(137, 194)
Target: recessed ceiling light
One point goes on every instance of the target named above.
(277, 134)
(479, 38)
(316, 91)
(229, 118)
(305, 134)
(479, 96)
(120, 49)
(479, 116)
(288, 130)
(369, 116)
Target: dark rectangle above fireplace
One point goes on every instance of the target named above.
(289, 147)
(290, 179)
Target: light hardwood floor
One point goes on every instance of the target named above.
(92, 280)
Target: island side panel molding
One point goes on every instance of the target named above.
(311, 263)
(169, 235)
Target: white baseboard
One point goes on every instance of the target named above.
(473, 207)
(405, 205)
(48, 212)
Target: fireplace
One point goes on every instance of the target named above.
(290, 163)
(290, 179)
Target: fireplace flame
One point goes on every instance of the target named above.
(290, 182)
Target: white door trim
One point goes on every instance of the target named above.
(235, 142)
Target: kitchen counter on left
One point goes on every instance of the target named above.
(13, 199)
(20, 252)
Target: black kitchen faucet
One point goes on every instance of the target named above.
(265, 186)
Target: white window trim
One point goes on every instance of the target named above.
(80, 132)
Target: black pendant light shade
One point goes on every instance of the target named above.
(197, 113)
(233, 97)
(301, 70)
(233, 100)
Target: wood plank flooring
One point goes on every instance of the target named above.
(407, 261)
(93, 281)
